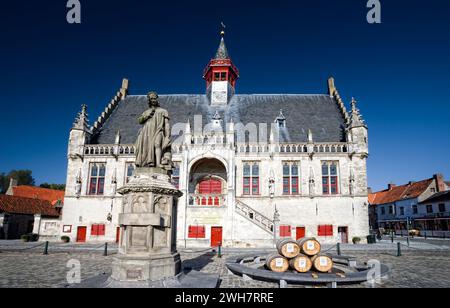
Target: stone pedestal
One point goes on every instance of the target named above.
(147, 248)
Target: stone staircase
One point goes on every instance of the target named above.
(255, 217)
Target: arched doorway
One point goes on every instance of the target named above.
(207, 183)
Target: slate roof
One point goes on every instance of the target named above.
(440, 196)
(398, 193)
(50, 195)
(319, 113)
(222, 52)
(26, 206)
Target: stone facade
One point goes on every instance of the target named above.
(231, 217)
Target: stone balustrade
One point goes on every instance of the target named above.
(219, 142)
(213, 200)
(256, 217)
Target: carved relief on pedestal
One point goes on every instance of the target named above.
(161, 234)
(140, 204)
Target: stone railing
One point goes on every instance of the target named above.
(293, 148)
(212, 200)
(219, 141)
(208, 140)
(330, 148)
(254, 216)
(107, 150)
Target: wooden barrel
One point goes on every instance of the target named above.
(322, 263)
(277, 263)
(309, 246)
(288, 248)
(301, 264)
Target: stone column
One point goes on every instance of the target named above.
(147, 251)
(276, 226)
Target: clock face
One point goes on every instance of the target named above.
(220, 97)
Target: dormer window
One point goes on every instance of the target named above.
(281, 120)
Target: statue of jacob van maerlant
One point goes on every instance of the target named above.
(153, 146)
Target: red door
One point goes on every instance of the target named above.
(301, 232)
(216, 236)
(210, 187)
(118, 235)
(81, 234)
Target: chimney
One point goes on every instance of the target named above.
(369, 190)
(12, 184)
(440, 185)
(391, 186)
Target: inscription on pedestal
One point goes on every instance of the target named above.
(135, 274)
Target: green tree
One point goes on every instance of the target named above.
(53, 186)
(23, 177)
(4, 181)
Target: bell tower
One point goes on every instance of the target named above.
(221, 76)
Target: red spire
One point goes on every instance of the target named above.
(221, 68)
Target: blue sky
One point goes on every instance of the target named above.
(398, 71)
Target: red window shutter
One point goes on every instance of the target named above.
(325, 230)
(285, 231)
(201, 232)
(321, 231)
(329, 230)
(94, 230)
(101, 230)
(197, 232)
(192, 232)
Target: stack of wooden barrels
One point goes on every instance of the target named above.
(301, 256)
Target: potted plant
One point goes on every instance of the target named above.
(356, 240)
(65, 239)
(34, 237)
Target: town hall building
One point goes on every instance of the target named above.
(251, 168)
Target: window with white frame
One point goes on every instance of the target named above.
(129, 172)
(97, 179)
(330, 178)
(251, 179)
(290, 178)
(176, 175)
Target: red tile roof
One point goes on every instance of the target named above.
(26, 206)
(39, 193)
(397, 193)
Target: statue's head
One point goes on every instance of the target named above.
(153, 99)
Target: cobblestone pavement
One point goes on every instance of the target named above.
(31, 269)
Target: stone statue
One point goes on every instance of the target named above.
(153, 146)
(272, 184)
(312, 183)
